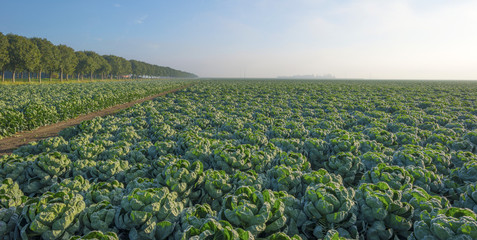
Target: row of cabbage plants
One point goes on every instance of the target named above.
(257, 160)
(26, 107)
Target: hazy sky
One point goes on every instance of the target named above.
(421, 39)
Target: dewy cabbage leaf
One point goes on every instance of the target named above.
(396, 177)
(421, 201)
(468, 199)
(213, 229)
(142, 211)
(8, 221)
(10, 194)
(450, 223)
(51, 216)
(216, 185)
(383, 214)
(98, 216)
(97, 235)
(331, 206)
(254, 211)
(285, 178)
(346, 165)
(105, 191)
(317, 152)
(45, 171)
(183, 177)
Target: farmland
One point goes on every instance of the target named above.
(243, 159)
(26, 107)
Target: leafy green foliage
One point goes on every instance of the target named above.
(258, 160)
(329, 207)
(451, 223)
(383, 214)
(216, 230)
(52, 216)
(97, 235)
(396, 177)
(468, 199)
(254, 211)
(345, 165)
(46, 104)
(142, 211)
(10, 194)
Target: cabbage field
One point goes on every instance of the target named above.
(26, 107)
(264, 159)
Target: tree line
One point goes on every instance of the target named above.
(38, 56)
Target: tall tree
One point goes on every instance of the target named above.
(32, 59)
(93, 62)
(4, 57)
(115, 63)
(47, 53)
(125, 66)
(138, 68)
(68, 61)
(54, 63)
(80, 68)
(104, 67)
(23, 54)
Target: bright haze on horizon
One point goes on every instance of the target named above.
(263, 38)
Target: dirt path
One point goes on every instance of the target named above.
(7, 145)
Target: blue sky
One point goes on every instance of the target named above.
(421, 39)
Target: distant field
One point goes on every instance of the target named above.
(28, 106)
(252, 159)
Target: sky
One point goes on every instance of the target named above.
(377, 39)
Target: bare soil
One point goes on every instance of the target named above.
(7, 145)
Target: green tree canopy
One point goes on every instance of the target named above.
(4, 57)
(23, 54)
(80, 68)
(125, 66)
(93, 62)
(68, 60)
(104, 67)
(47, 55)
(115, 63)
(18, 53)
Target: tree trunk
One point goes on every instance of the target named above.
(67, 77)
(39, 76)
(91, 76)
(82, 77)
(13, 76)
(111, 76)
(78, 77)
(102, 76)
(3, 76)
(61, 75)
(51, 75)
(29, 77)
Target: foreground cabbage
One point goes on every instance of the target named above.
(149, 213)
(51, 216)
(451, 223)
(261, 213)
(331, 206)
(97, 235)
(213, 229)
(382, 212)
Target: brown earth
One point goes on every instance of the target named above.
(7, 145)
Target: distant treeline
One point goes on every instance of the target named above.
(21, 55)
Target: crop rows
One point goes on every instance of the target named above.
(257, 159)
(26, 107)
